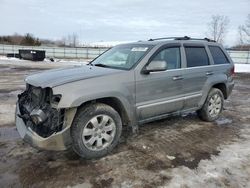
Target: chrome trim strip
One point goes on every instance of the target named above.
(169, 101)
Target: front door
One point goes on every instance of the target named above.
(159, 93)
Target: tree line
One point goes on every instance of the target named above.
(17, 39)
(72, 40)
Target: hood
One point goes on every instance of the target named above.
(61, 76)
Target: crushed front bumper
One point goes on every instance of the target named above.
(57, 141)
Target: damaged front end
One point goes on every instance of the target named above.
(39, 122)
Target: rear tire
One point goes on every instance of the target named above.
(213, 106)
(96, 130)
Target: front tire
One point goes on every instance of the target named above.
(96, 130)
(213, 106)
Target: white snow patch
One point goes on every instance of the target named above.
(57, 62)
(9, 58)
(230, 169)
(170, 157)
(242, 68)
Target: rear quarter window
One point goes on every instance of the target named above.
(196, 56)
(218, 55)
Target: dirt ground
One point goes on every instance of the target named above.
(180, 151)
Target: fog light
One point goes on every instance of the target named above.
(38, 116)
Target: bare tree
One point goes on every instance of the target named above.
(217, 28)
(73, 40)
(16, 38)
(63, 41)
(244, 32)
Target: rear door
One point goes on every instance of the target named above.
(197, 71)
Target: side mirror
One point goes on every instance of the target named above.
(155, 66)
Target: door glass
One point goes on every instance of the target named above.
(171, 56)
(196, 56)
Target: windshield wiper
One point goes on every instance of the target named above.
(101, 65)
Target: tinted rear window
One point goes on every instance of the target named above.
(218, 55)
(196, 56)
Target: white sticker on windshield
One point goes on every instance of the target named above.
(139, 49)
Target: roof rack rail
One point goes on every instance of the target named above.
(182, 38)
(163, 38)
(209, 40)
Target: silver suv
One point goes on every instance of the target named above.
(86, 107)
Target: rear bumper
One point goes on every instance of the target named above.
(57, 141)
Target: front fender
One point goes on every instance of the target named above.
(76, 93)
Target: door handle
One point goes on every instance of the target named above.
(177, 78)
(209, 73)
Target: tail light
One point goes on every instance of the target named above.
(232, 71)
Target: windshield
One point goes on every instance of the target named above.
(122, 57)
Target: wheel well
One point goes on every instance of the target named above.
(222, 87)
(114, 103)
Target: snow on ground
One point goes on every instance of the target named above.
(242, 68)
(46, 62)
(221, 170)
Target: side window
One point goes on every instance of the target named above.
(196, 56)
(171, 56)
(218, 55)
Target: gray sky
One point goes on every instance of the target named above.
(118, 20)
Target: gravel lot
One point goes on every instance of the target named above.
(180, 151)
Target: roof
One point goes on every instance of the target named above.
(184, 39)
